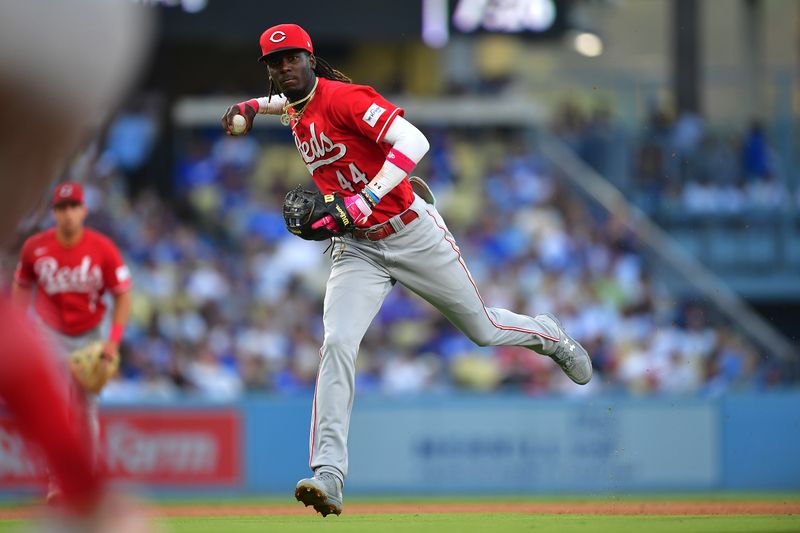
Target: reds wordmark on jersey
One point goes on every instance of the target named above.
(71, 281)
(340, 138)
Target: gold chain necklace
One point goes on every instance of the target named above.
(286, 117)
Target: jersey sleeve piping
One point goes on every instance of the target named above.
(122, 287)
(386, 124)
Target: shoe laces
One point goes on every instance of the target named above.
(564, 357)
(328, 477)
(567, 362)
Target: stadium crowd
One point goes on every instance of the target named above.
(227, 302)
(682, 162)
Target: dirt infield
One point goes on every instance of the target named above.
(663, 508)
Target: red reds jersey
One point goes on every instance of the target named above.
(340, 138)
(71, 281)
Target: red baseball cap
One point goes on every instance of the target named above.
(68, 191)
(284, 37)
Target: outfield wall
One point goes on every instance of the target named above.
(454, 444)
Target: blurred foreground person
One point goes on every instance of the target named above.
(63, 66)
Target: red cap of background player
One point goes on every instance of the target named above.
(69, 191)
(284, 37)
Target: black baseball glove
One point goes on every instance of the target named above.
(302, 208)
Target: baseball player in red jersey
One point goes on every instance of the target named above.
(71, 267)
(358, 146)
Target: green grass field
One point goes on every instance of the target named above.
(272, 514)
(477, 523)
(488, 522)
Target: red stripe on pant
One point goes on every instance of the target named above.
(477, 292)
(314, 416)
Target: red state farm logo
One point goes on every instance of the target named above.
(142, 453)
(53, 279)
(173, 447)
(16, 463)
(180, 447)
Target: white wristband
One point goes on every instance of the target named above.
(271, 105)
(386, 179)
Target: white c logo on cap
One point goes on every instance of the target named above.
(277, 36)
(66, 190)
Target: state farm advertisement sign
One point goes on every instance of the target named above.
(164, 447)
(173, 447)
(17, 465)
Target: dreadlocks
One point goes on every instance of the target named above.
(323, 69)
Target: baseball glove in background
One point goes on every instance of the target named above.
(91, 368)
(301, 208)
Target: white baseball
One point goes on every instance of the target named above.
(238, 124)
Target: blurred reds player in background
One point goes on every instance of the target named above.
(67, 270)
(359, 149)
(63, 66)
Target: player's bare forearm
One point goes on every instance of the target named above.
(122, 308)
(119, 319)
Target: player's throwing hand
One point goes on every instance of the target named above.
(247, 109)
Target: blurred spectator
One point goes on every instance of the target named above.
(681, 164)
(755, 155)
(131, 138)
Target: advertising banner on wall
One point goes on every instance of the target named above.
(165, 447)
(528, 446)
